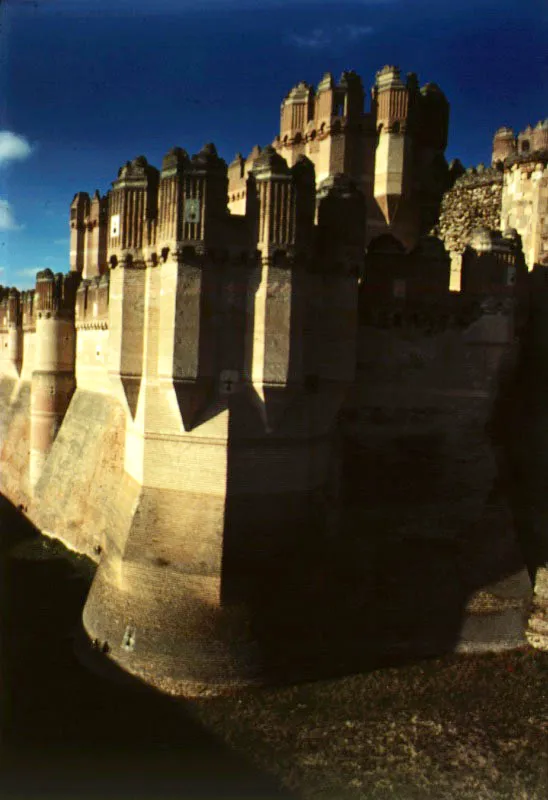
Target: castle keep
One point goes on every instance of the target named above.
(250, 373)
(393, 152)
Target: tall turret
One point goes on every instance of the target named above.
(296, 110)
(170, 199)
(53, 380)
(286, 207)
(192, 241)
(504, 144)
(525, 141)
(79, 210)
(11, 333)
(133, 205)
(433, 119)
(325, 100)
(392, 99)
(540, 135)
(340, 255)
(132, 211)
(96, 224)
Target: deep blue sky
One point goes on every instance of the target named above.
(89, 84)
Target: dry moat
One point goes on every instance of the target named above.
(468, 726)
(66, 730)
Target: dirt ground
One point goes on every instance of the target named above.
(456, 727)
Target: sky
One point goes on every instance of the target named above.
(86, 85)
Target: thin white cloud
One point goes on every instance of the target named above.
(13, 147)
(7, 220)
(28, 272)
(321, 38)
(316, 39)
(357, 31)
(62, 242)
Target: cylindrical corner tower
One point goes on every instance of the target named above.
(53, 380)
(504, 144)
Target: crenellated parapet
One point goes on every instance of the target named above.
(285, 204)
(393, 151)
(480, 176)
(509, 146)
(55, 295)
(92, 303)
(332, 129)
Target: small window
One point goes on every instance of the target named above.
(229, 379)
(525, 146)
(115, 226)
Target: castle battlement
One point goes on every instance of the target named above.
(507, 145)
(393, 152)
(175, 403)
(92, 299)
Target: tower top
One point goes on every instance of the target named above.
(388, 77)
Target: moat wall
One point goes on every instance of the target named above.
(426, 482)
(15, 441)
(83, 494)
(413, 543)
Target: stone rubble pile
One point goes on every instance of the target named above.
(475, 200)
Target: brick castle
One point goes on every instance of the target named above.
(254, 375)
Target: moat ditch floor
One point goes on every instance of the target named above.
(67, 732)
(469, 726)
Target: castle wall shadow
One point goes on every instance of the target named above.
(69, 730)
(426, 556)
